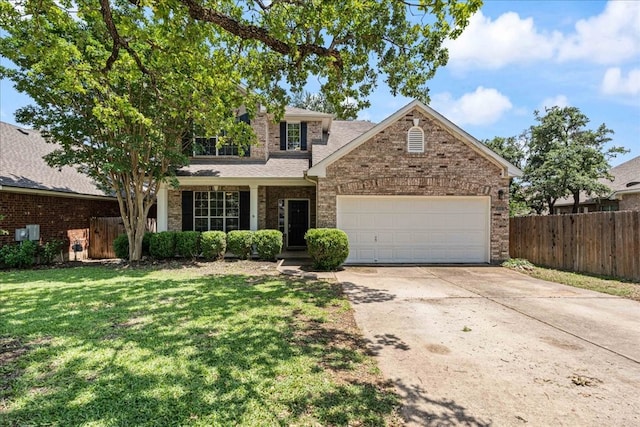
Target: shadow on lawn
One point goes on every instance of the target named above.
(209, 350)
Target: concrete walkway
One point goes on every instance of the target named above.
(481, 346)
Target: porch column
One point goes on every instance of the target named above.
(162, 204)
(253, 207)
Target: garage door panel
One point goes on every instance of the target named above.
(407, 229)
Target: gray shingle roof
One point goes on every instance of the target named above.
(22, 165)
(294, 111)
(273, 168)
(342, 132)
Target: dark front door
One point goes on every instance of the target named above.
(298, 218)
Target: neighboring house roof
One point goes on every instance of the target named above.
(272, 168)
(341, 133)
(319, 169)
(22, 165)
(626, 180)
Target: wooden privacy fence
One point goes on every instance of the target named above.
(102, 232)
(606, 243)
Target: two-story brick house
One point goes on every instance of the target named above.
(414, 188)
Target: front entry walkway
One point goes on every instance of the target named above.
(481, 346)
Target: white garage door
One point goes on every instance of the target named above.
(413, 229)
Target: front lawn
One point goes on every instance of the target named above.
(109, 346)
(606, 285)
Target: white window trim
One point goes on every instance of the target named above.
(209, 217)
(411, 144)
(299, 148)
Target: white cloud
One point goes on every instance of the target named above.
(607, 38)
(556, 101)
(482, 107)
(614, 83)
(610, 37)
(493, 44)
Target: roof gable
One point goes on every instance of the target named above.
(320, 168)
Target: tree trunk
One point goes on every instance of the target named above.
(576, 201)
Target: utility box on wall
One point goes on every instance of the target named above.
(22, 234)
(34, 231)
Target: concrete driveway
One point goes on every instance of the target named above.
(479, 346)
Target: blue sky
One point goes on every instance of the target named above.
(519, 56)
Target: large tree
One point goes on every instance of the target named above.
(565, 158)
(118, 83)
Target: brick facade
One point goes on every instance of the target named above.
(630, 202)
(273, 194)
(55, 215)
(448, 166)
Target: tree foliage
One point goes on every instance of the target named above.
(118, 83)
(560, 158)
(514, 150)
(319, 102)
(566, 158)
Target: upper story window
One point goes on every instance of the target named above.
(415, 140)
(208, 146)
(293, 136)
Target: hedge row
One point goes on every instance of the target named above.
(211, 245)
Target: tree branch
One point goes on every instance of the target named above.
(120, 42)
(254, 32)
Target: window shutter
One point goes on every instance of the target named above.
(303, 136)
(187, 210)
(244, 118)
(245, 210)
(283, 135)
(187, 142)
(415, 140)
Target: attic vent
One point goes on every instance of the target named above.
(22, 131)
(415, 140)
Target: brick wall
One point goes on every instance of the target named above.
(630, 202)
(314, 132)
(382, 166)
(55, 215)
(273, 194)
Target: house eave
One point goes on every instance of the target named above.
(53, 193)
(243, 181)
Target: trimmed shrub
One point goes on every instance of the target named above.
(163, 245)
(328, 247)
(146, 243)
(50, 250)
(213, 244)
(188, 244)
(19, 256)
(121, 246)
(268, 243)
(240, 243)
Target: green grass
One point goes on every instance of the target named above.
(606, 285)
(100, 346)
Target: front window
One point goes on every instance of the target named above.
(293, 136)
(216, 210)
(208, 146)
